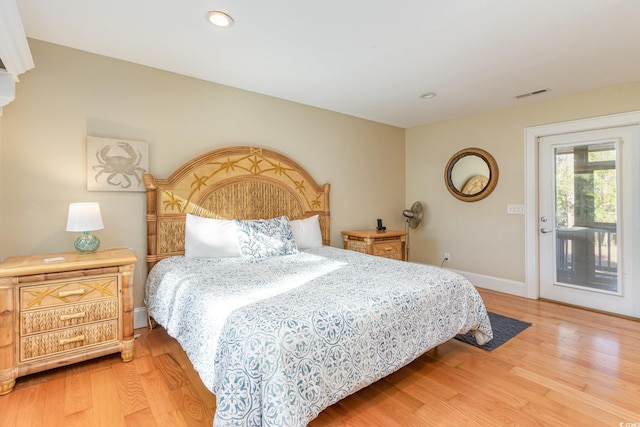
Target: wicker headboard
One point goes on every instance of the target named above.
(235, 182)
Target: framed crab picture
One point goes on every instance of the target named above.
(116, 164)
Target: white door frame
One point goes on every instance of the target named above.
(531, 239)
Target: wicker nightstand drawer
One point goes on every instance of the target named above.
(391, 249)
(34, 321)
(66, 292)
(67, 339)
(387, 244)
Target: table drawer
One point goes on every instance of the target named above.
(387, 249)
(34, 321)
(67, 339)
(65, 292)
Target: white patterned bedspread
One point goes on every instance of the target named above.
(281, 339)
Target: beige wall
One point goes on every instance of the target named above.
(71, 94)
(480, 236)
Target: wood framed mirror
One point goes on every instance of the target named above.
(471, 174)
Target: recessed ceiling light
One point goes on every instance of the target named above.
(428, 95)
(219, 19)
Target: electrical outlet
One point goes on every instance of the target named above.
(447, 256)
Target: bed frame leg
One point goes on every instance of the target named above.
(152, 323)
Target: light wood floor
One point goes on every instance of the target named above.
(570, 368)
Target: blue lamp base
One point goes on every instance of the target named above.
(87, 243)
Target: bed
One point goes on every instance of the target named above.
(277, 322)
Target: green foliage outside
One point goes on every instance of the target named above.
(595, 201)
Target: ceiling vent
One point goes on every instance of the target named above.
(535, 92)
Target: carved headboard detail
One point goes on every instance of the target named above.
(236, 182)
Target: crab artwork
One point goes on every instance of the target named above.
(120, 169)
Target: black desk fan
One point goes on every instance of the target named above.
(413, 217)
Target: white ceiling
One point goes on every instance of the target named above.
(367, 58)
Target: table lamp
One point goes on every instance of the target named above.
(85, 217)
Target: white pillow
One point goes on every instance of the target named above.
(210, 238)
(307, 232)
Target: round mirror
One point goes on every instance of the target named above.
(471, 174)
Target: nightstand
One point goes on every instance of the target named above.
(387, 244)
(57, 312)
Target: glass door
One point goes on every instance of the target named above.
(586, 213)
(582, 237)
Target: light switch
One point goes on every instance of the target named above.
(515, 209)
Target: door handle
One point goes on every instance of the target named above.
(545, 230)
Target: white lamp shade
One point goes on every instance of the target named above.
(84, 217)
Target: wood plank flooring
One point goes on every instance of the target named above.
(572, 367)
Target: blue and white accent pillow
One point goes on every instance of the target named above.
(263, 238)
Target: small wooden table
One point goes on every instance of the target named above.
(54, 312)
(387, 244)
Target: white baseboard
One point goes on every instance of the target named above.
(140, 317)
(496, 283)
